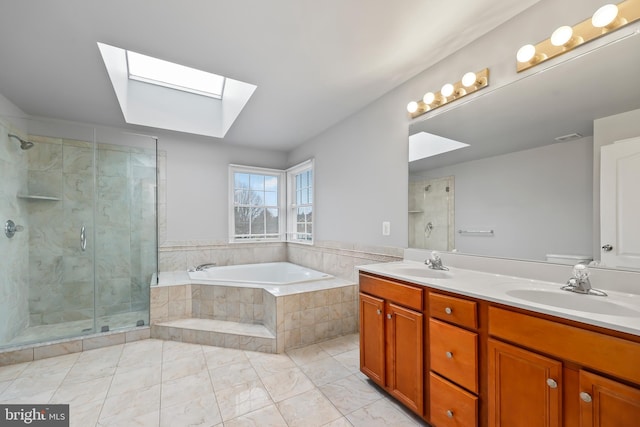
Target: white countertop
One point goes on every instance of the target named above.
(618, 310)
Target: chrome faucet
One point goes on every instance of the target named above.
(579, 282)
(435, 262)
(203, 267)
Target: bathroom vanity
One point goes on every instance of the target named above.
(466, 348)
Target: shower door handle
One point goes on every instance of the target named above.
(83, 239)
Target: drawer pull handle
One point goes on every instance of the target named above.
(450, 413)
(552, 383)
(448, 310)
(449, 355)
(586, 397)
(389, 316)
(379, 312)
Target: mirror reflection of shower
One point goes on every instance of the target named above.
(25, 145)
(431, 209)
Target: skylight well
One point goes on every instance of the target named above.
(157, 93)
(175, 76)
(423, 144)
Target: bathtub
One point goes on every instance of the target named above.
(270, 273)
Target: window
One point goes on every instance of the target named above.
(259, 209)
(257, 200)
(300, 203)
(175, 76)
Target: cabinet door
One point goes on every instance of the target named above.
(405, 373)
(607, 403)
(524, 388)
(372, 362)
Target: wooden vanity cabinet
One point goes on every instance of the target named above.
(372, 342)
(524, 387)
(465, 362)
(454, 361)
(392, 338)
(607, 403)
(542, 372)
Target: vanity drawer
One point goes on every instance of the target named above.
(408, 296)
(451, 406)
(455, 310)
(454, 354)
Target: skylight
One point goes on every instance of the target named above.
(423, 144)
(175, 76)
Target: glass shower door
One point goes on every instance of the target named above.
(52, 192)
(126, 248)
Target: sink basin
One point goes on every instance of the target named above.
(418, 271)
(573, 301)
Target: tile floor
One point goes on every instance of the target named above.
(173, 384)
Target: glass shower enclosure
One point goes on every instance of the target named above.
(78, 246)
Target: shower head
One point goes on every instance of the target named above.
(25, 145)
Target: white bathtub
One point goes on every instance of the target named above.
(271, 273)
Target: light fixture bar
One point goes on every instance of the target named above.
(565, 38)
(470, 82)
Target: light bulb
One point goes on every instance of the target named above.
(428, 98)
(562, 35)
(526, 53)
(447, 90)
(412, 107)
(469, 79)
(604, 16)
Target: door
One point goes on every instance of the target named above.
(620, 204)
(607, 403)
(524, 388)
(405, 355)
(372, 338)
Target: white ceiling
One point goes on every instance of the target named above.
(314, 62)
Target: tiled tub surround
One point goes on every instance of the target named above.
(271, 319)
(336, 258)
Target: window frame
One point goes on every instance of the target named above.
(159, 72)
(287, 208)
(292, 223)
(281, 197)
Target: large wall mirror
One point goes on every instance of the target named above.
(527, 186)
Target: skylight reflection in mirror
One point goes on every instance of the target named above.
(175, 76)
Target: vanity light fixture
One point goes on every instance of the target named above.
(449, 92)
(609, 17)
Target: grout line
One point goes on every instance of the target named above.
(213, 390)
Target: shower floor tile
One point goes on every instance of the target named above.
(237, 390)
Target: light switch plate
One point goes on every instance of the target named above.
(386, 228)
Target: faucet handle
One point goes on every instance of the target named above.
(580, 271)
(435, 255)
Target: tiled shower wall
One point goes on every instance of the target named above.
(61, 281)
(432, 201)
(14, 252)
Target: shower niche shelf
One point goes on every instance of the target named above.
(416, 211)
(37, 197)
